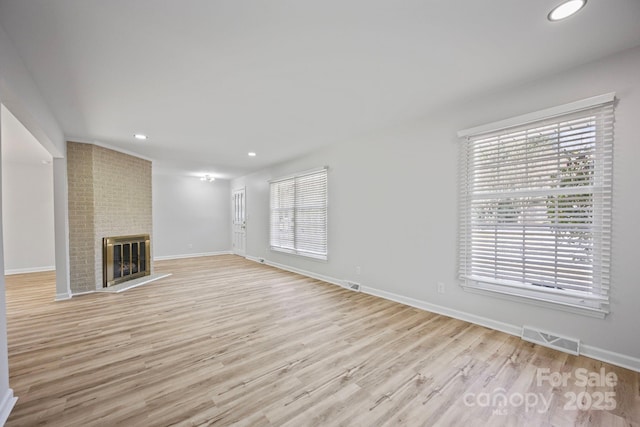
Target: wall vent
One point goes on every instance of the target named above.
(352, 286)
(547, 339)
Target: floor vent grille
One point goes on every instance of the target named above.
(352, 286)
(547, 339)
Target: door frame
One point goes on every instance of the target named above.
(239, 221)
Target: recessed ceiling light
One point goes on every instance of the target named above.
(566, 9)
(140, 136)
(251, 154)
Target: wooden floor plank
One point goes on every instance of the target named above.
(225, 341)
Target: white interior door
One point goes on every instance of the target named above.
(239, 222)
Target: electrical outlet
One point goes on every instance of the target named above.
(358, 270)
(440, 288)
(190, 246)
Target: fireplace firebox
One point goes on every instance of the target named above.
(125, 258)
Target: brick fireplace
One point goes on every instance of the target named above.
(109, 195)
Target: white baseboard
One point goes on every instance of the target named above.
(63, 296)
(181, 256)
(6, 405)
(597, 353)
(438, 309)
(324, 278)
(12, 271)
(131, 284)
(617, 359)
(77, 294)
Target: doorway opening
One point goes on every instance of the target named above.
(239, 226)
(27, 200)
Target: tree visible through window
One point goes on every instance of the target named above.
(536, 208)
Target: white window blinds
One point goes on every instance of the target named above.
(299, 214)
(535, 206)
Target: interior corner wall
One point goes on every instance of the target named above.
(190, 217)
(7, 399)
(27, 200)
(20, 94)
(393, 209)
(109, 194)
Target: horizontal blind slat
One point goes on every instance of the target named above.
(535, 203)
(299, 214)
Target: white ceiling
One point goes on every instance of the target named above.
(209, 81)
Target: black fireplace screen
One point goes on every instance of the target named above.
(125, 258)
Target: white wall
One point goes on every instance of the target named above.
(27, 217)
(393, 209)
(190, 217)
(7, 399)
(27, 198)
(20, 94)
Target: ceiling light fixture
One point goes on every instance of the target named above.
(251, 154)
(207, 177)
(140, 136)
(565, 10)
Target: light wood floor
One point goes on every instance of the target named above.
(227, 341)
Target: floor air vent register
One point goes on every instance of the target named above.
(547, 339)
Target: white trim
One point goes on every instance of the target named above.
(597, 353)
(7, 404)
(586, 292)
(298, 174)
(306, 255)
(234, 250)
(320, 178)
(153, 278)
(538, 301)
(422, 305)
(133, 283)
(614, 358)
(547, 113)
(77, 294)
(29, 270)
(181, 256)
(438, 309)
(63, 296)
(322, 277)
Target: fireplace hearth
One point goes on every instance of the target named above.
(125, 258)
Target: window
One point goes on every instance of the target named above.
(535, 206)
(299, 214)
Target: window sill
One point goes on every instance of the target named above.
(537, 300)
(314, 257)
